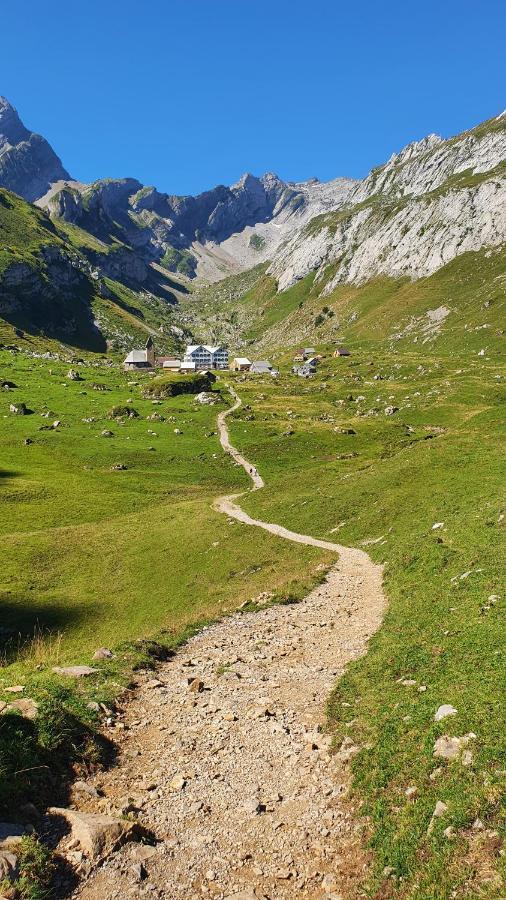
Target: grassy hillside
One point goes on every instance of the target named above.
(49, 291)
(43, 288)
(422, 489)
(25, 230)
(460, 307)
(110, 537)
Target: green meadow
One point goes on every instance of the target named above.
(94, 555)
(422, 490)
(105, 554)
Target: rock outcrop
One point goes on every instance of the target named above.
(28, 165)
(429, 203)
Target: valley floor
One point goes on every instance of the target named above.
(224, 757)
(398, 451)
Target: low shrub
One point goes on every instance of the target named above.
(172, 385)
(122, 412)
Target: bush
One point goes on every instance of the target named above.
(172, 385)
(122, 412)
(35, 870)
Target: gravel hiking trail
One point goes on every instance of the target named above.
(222, 755)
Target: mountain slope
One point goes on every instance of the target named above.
(28, 165)
(431, 202)
(220, 231)
(49, 289)
(460, 307)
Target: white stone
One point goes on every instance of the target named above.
(443, 711)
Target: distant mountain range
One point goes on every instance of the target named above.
(190, 235)
(431, 202)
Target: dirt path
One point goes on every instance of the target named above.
(222, 754)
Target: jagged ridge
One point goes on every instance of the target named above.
(28, 165)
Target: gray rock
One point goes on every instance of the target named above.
(439, 810)
(29, 812)
(82, 787)
(254, 807)
(98, 835)
(142, 852)
(10, 835)
(102, 653)
(451, 747)
(18, 409)
(177, 783)
(9, 867)
(75, 671)
(138, 871)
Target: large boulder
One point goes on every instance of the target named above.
(18, 409)
(98, 834)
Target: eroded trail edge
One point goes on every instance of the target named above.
(222, 755)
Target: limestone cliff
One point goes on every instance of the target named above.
(429, 203)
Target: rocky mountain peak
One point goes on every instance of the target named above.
(12, 130)
(415, 149)
(28, 165)
(246, 182)
(429, 203)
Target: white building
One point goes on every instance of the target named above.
(173, 365)
(206, 357)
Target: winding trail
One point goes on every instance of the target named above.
(226, 504)
(222, 755)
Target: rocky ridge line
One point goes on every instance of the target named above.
(28, 164)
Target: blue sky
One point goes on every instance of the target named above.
(185, 95)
